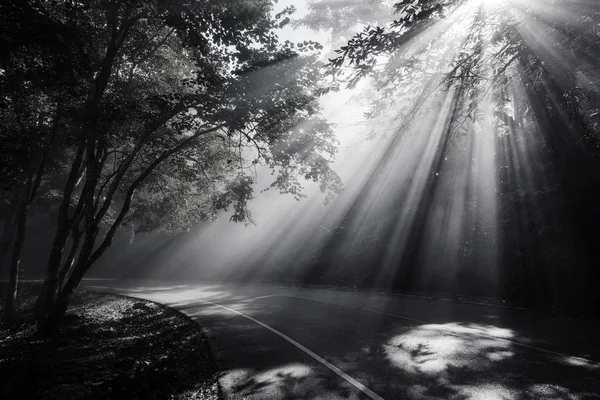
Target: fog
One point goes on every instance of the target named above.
(441, 185)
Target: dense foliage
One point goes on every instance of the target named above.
(152, 114)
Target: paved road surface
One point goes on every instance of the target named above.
(274, 342)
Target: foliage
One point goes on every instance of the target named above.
(161, 111)
(109, 346)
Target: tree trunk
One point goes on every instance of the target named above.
(11, 293)
(6, 240)
(49, 326)
(53, 301)
(50, 288)
(15, 263)
(49, 322)
(9, 229)
(70, 262)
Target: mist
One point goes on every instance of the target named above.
(443, 189)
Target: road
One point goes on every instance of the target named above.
(275, 342)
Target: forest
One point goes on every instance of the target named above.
(160, 116)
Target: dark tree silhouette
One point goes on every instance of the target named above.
(159, 111)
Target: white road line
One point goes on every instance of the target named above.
(332, 367)
(593, 363)
(263, 297)
(99, 279)
(466, 330)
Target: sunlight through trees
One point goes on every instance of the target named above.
(475, 124)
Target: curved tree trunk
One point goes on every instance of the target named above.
(69, 264)
(49, 291)
(50, 326)
(49, 322)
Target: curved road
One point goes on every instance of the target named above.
(275, 342)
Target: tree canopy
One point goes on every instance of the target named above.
(154, 114)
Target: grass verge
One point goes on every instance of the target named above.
(109, 347)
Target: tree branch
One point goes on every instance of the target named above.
(124, 166)
(130, 192)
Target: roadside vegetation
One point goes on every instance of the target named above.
(109, 347)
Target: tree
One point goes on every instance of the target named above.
(181, 99)
(34, 95)
(26, 160)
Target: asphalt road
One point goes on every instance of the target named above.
(274, 342)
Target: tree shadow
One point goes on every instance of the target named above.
(467, 352)
(110, 347)
(443, 361)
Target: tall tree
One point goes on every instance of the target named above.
(181, 99)
(37, 86)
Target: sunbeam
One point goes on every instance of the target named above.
(459, 164)
(383, 199)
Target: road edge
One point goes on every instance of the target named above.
(201, 329)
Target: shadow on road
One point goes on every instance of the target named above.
(465, 355)
(109, 347)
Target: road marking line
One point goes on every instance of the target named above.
(332, 367)
(99, 279)
(263, 297)
(467, 330)
(594, 364)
